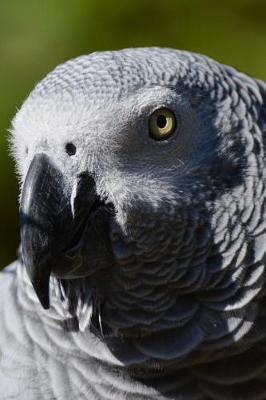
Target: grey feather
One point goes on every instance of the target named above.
(164, 293)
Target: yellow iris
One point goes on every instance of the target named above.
(162, 123)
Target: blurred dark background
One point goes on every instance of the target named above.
(36, 35)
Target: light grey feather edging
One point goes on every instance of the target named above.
(176, 309)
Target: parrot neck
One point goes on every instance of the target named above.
(130, 364)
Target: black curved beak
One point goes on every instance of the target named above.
(52, 213)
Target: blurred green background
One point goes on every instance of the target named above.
(37, 35)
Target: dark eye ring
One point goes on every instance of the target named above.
(70, 149)
(162, 123)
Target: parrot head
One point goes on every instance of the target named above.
(138, 173)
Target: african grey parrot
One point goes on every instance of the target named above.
(143, 233)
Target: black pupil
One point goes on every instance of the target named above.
(161, 121)
(70, 149)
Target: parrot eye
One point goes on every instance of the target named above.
(162, 123)
(70, 149)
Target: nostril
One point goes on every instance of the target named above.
(70, 149)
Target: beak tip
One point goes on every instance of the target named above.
(44, 300)
(42, 291)
(45, 303)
